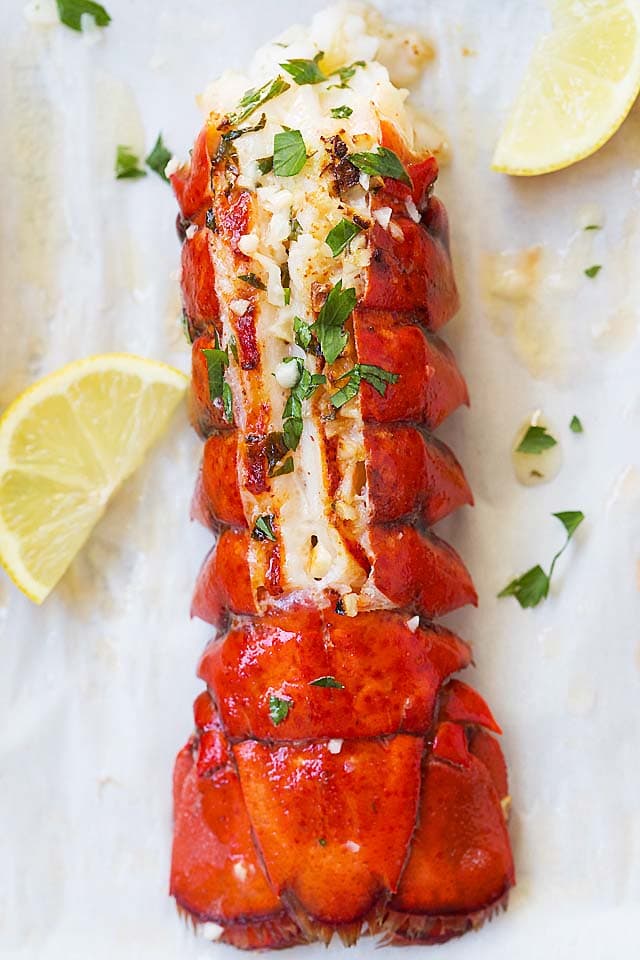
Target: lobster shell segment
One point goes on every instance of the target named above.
(340, 779)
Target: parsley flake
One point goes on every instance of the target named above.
(262, 528)
(227, 402)
(593, 271)
(378, 378)
(576, 425)
(127, 164)
(159, 158)
(217, 360)
(284, 468)
(593, 226)
(305, 71)
(533, 586)
(341, 236)
(341, 113)
(327, 682)
(306, 386)
(278, 709)
(328, 328)
(252, 280)
(345, 74)
(256, 97)
(301, 332)
(322, 841)
(535, 440)
(289, 153)
(382, 163)
(265, 164)
(71, 11)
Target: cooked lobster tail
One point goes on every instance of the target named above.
(339, 779)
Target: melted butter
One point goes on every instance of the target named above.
(532, 469)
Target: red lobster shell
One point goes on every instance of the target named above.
(377, 805)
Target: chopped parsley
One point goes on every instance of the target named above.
(593, 271)
(127, 164)
(376, 376)
(217, 360)
(285, 467)
(256, 97)
(345, 74)
(305, 71)
(535, 440)
(322, 841)
(301, 332)
(278, 709)
(227, 402)
(233, 346)
(224, 147)
(328, 328)
(382, 163)
(593, 226)
(576, 425)
(252, 280)
(159, 158)
(327, 682)
(295, 229)
(533, 586)
(265, 164)
(306, 386)
(289, 153)
(70, 13)
(341, 235)
(287, 295)
(262, 528)
(340, 113)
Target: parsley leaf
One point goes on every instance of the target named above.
(345, 74)
(305, 71)
(295, 229)
(593, 226)
(378, 378)
(533, 586)
(382, 163)
(327, 682)
(159, 158)
(262, 529)
(594, 270)
(278, 709)
(341, 235)
(292, 414)
(292, 430)
(576, 425)
(257, 97)
(252, 280)
(289, 153)
(70, 13)
(336, 310)
(535, 440)
(265, 164)
(340, 113)
(227, 402)
(127, 164)
(217, 360)
(286, 467)
(302, 332)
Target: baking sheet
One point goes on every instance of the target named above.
(96, 685)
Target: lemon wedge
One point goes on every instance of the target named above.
(580, 85)
(66, 444)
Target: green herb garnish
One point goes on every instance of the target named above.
(535, 440)
(341, 113)
(376, 376)
(341, 235)
(328, 328)
(217, 360)
(227, 402)
(594, 270)
(382, 163)
(533, 586)
(262, 529)
(305, 71)
(327, 682)
(301, 332)
(285, 467)
(233, 346)
(593, 226)
(159, 158)
(306, 386)
(265, 164)
(576, 425)
(70, 13)
(257, 97)
(287, 295)
(278, 709)
(289, 153)
(295, 229)
(127, 164)
(322, 841)
(345, 74)
(252, 280)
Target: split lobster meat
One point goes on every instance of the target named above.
(340, 778)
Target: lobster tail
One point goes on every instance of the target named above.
(339, 778)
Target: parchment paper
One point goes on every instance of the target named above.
(96, 685)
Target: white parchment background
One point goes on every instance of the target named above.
(96, 685)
